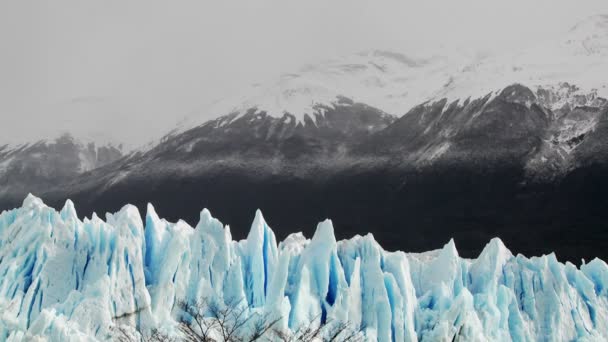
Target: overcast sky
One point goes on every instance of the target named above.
(139, 66)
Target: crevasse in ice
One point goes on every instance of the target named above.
(63, 279)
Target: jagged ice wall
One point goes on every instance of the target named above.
(63, 279)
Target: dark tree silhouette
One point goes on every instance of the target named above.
(207, 320)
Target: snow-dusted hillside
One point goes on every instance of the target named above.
(62, 279)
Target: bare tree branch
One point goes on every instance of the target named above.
(231, 320)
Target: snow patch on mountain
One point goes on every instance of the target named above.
(66, 279)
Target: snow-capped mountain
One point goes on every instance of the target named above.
(377, 139)
(448, 169)
(63, 279)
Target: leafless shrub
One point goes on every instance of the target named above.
(231, 321)
(206, 320)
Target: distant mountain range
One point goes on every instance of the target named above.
(47, 163)
(415, 150)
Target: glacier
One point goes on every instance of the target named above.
(66, 279)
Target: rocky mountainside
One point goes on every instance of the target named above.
(47, 163)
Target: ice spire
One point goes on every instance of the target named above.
(68, 212)
(32, 201)
(261, 257)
